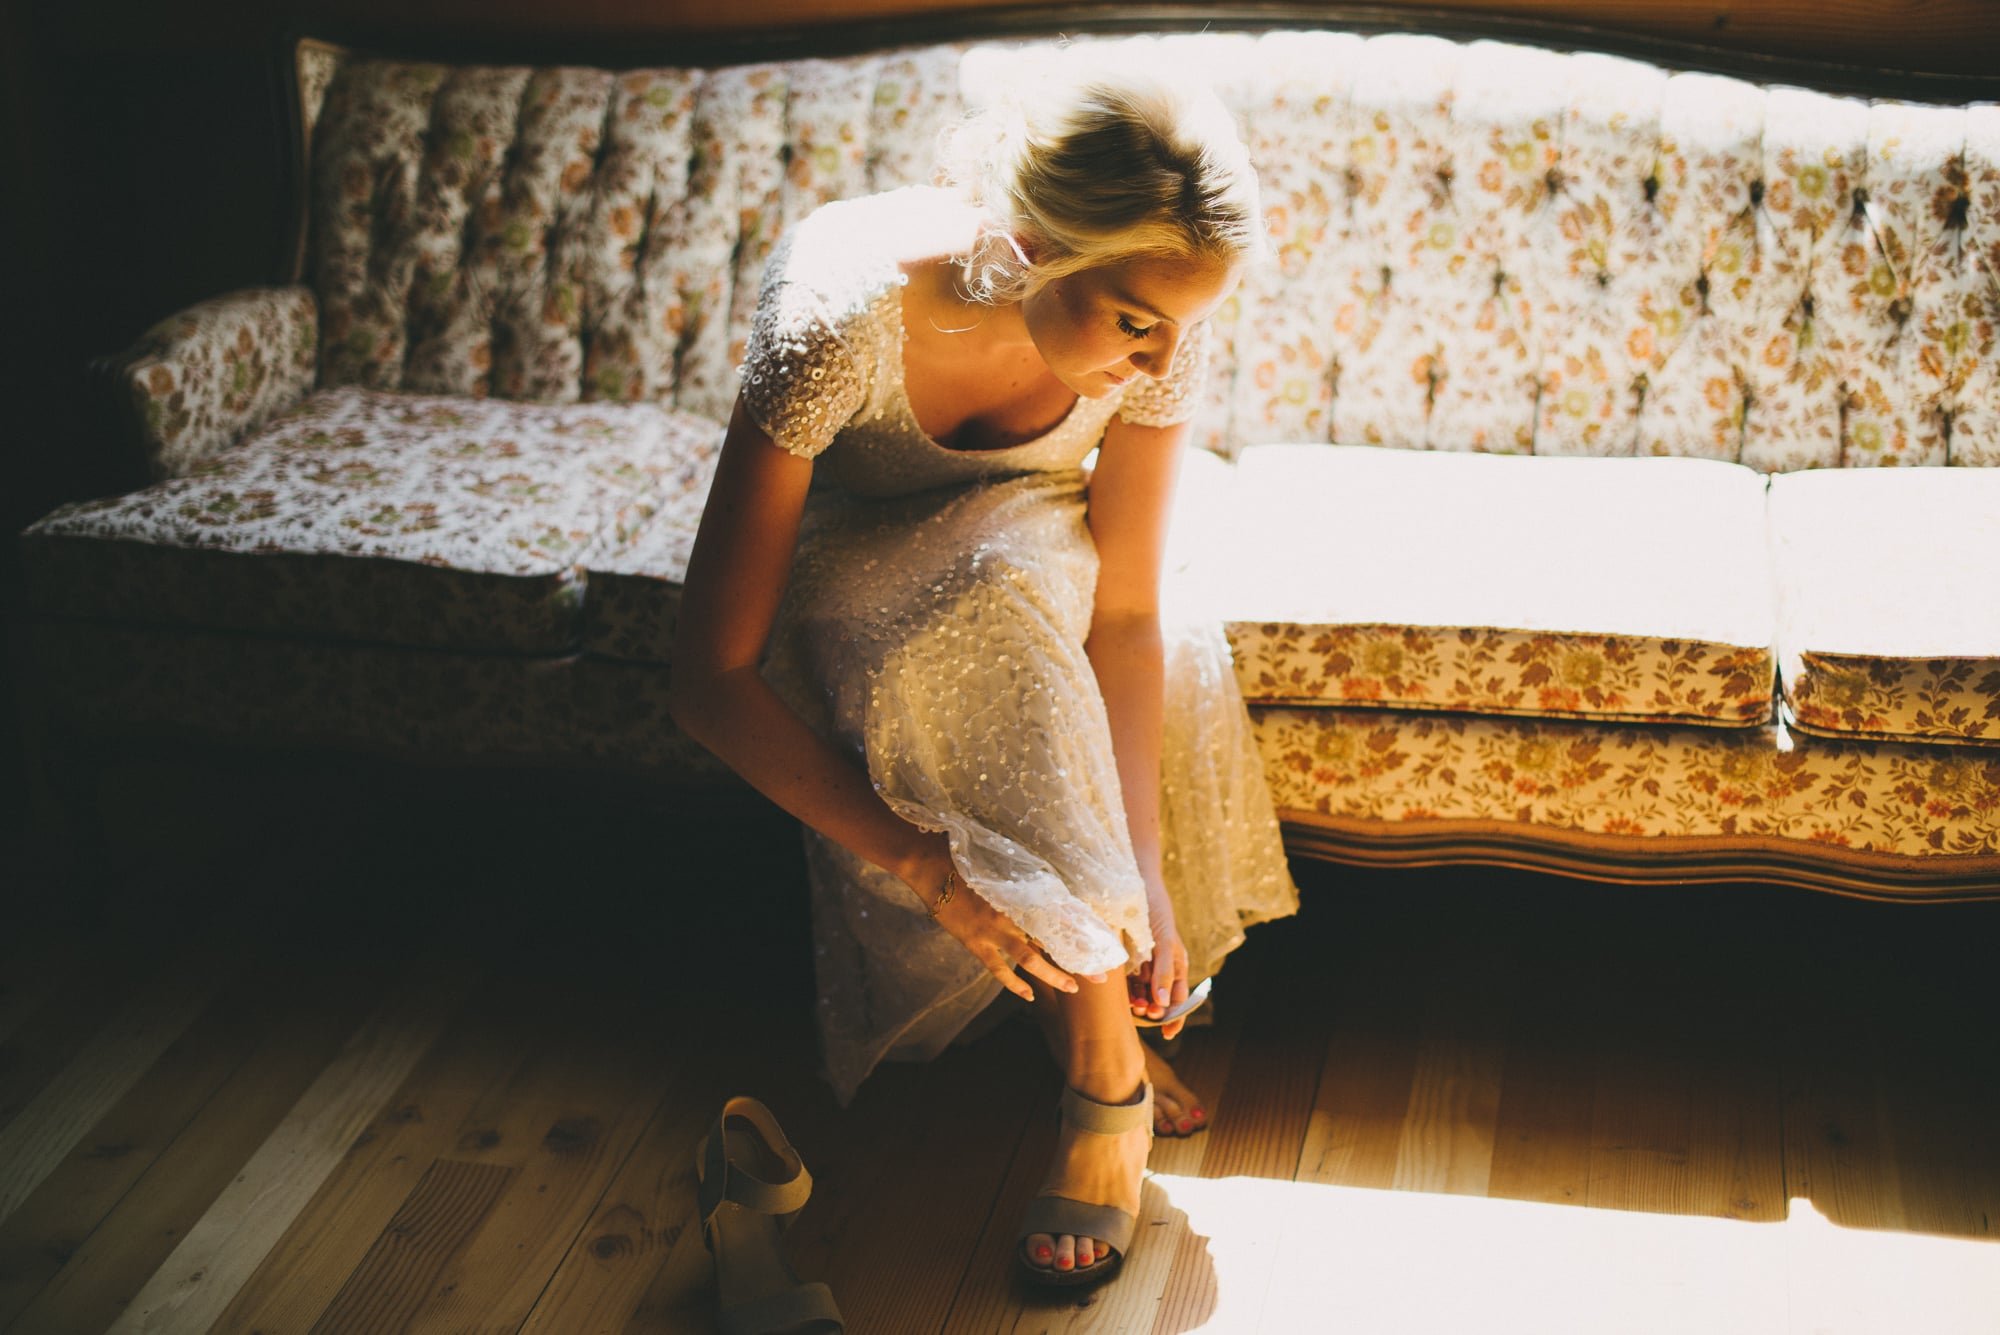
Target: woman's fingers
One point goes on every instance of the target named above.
(1038, 964)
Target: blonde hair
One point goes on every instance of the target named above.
(1095, 162)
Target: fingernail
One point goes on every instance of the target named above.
(1163, 994)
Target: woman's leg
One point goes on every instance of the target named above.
(1177, 1109)
(1102, 1059)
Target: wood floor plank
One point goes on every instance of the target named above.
(1838, 1139)
(639, 1264)
(409, 1259)
(80, 1004)
(1456, 1078)
(113, 1152)
(1367, 1071)
(1541, 1139)
(930, 1151)
(511, 1016)
(1642, 1107)
(571, 1118)
(230, 1240)
(299, 1035)
(105, 1067)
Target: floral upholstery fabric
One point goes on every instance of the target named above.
(1888, 625)
(1413, 580)
(461, 523)
(1480, 246)
(635, 573)
(1644, 782)
(568, 233)
(573, 709)
(1490, 247)
(201, 379)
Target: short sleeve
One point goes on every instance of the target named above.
(800, 381)
(1174, 397)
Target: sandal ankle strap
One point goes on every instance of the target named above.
(1110, 1119)
(723, 1178)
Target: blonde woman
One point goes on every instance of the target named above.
(912, 620)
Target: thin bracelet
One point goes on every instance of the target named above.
(950, 877)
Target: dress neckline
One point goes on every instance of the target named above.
(898, 334)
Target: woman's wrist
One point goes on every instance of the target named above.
(925, 867)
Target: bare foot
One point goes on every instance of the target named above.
(1177, 1110)
(1094, 1167)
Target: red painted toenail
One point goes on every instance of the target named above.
(1042, 1253)
(1200, 1113)
(1064, 1263)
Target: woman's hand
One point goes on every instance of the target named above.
(1162, 981)
(991, 936)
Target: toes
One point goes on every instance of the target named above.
(1065, 1252)
(1041, 1249)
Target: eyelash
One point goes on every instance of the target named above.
(1131, 330)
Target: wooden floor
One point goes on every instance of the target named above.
(387, 1064)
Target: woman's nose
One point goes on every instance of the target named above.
(1154, 359)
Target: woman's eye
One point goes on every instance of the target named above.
(1131, 330)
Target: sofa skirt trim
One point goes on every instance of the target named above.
(1640, 859)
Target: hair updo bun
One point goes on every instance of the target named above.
(1093, 160)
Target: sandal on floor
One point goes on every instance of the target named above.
(1060, 1214)
(742, 1216)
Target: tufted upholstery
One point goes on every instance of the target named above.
(1481, 246)
(565, 233)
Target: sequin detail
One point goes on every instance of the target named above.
(933, 629)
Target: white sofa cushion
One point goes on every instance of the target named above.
(1551, 587)
(1888, 621)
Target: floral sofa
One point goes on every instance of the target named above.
(433, 498)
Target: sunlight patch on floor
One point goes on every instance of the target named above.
(1294, 1256)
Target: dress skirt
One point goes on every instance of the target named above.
(938, 639)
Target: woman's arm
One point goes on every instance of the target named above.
(736, 580)
(1131, 496)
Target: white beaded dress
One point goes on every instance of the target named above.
(933, 628)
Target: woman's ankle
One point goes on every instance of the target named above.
(1107, 1077)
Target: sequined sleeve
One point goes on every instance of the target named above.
(800, 380)
(1173, 398)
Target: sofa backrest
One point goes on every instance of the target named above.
(1480, 246)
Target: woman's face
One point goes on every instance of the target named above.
(1099, 328)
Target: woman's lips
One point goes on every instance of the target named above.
(1117, 379)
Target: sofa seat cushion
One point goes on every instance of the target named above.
(635, 573)
(1888, 626)
(1633, 589)
(365, 515)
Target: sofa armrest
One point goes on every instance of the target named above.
(199, 380)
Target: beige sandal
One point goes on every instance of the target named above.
(1053, 1214)
(742, 1216)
